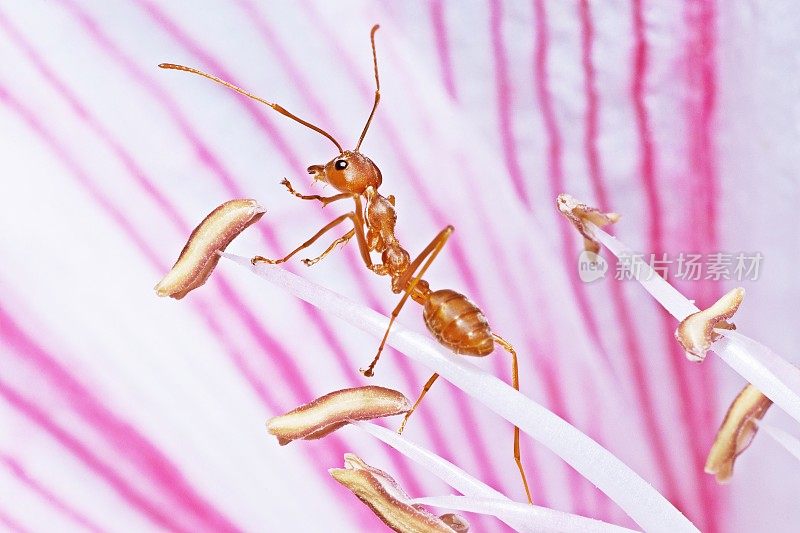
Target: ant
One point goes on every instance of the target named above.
(451, 317)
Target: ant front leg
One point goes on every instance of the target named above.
(325, 200)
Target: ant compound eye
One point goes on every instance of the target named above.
(340, 164)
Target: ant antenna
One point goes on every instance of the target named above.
(239, 90)
(377, 86)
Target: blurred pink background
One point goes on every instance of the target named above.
(120, 411)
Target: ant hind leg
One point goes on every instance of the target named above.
(422, 394)
(430, 252)
(515, 383)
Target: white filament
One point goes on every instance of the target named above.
(645, 505)
(790, 442)
(542, 519)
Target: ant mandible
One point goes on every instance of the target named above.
(451, 317)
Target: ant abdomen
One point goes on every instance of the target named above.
(457, 323)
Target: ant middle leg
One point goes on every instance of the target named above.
(358, 230)
(344, 239)
(430, 252)
(330, 225)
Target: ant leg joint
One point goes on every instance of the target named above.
(260, 259)
(341, 241)
(402, 426)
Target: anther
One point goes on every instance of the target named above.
(332, 411)
(696, 332)
(381, 493)
(200, 255)
(579, 214)
(736, 432)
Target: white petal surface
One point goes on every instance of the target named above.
(120, 411)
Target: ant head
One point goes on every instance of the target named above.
(350, 171)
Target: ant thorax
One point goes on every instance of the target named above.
(381, 219)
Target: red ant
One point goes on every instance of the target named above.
(452, 318)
